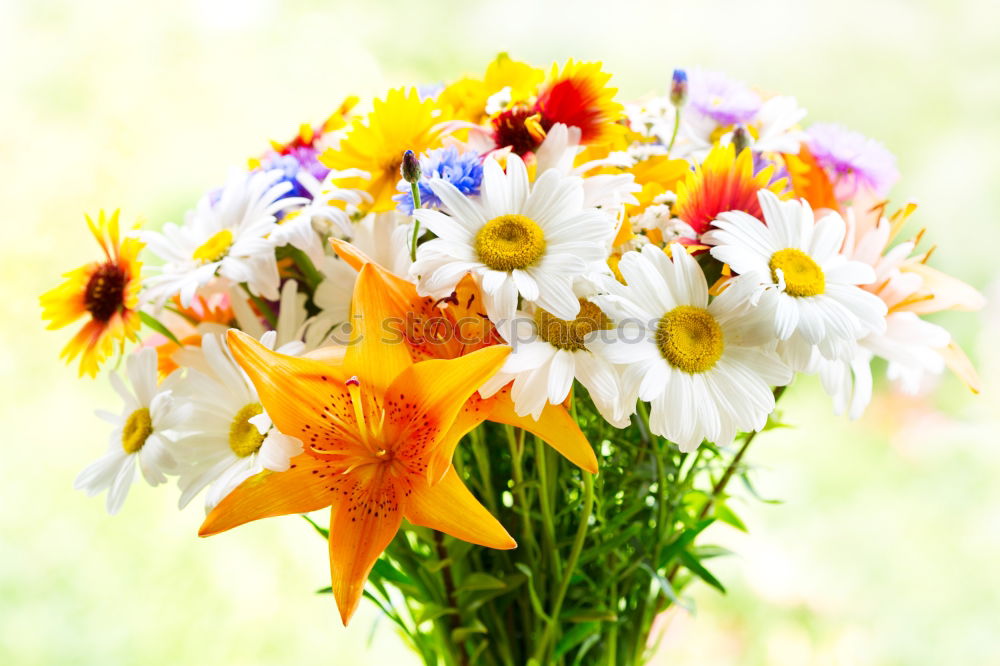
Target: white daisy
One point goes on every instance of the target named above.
(517, 239)
(142, 435)
(549, 353)
(229, 436)
(226, 235)
(604, 190)
(706, 368)
(800, 277)
(326, 213)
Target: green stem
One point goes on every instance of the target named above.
(449, 593)
(309, 271)
(416, 223)
(546, 507)
(677, 126)
(541, 650)
(263, 306)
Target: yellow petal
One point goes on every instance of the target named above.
(423, 403)
(960, 364)
(555, 427)
(305, 398)
(377, 352)
(362, 523)
(473, 412)
(449, 507)
(299, 489)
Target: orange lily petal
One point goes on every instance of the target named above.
(474, 411)
(376, 353)
(424, 401)
(555, 427)
(449, 507)
(363, 522)
(273, 494)
(333, 354)
(305, 398)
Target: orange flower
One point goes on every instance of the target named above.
(461, 326)
(809, 180)
(107, 292)
(371, 425)
(724, 182)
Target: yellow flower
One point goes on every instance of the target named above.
(466, 98)
(372, 424)
(375, 144)
(107, 292)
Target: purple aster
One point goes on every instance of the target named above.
(463, 170)
(852, 160)
(722, 99)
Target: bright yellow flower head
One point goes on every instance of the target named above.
(400, 122)
(106, 292)
(466, 98)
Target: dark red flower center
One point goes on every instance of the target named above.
(105, 291)
(510, 129)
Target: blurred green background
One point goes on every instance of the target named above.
(885, 548)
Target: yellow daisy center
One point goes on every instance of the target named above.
(690, 339)
(509, 242)
(803, 276)
(137, 429)
(215, 248)
(244, 438)
(570, 335)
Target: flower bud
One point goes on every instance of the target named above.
(741, 139)
(410, 167)
(679, 88)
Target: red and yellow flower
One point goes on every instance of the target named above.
(723, 183)
(105, 292)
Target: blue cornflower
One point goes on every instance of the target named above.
(463, 170)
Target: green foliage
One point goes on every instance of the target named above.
(570, 593)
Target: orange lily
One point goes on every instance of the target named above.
(371, 426)
(455, 330)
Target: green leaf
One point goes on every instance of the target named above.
(709, 551)
(576, 635)
(692, 563)
(385, 569)
(592, 615)
(536, 603)
(325, 533)
(683, 540)
(431, 612)
(436, 565)
(664, 586)
(325, 590)
(481, 581)
(154, 323)
(726, 515)
(461, 633)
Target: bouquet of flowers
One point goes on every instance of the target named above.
(512, 337)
